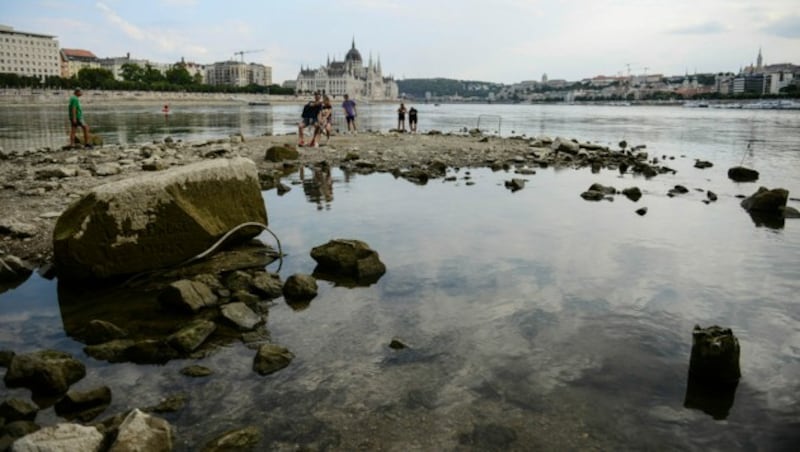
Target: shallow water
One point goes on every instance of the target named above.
(535, 319)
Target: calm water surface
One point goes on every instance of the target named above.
(536, 320)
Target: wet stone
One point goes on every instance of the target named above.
(196, 371)
(84, 405)
(169, 404)
(192, 336)
(239, 439)
(240, 315)
(271, 358)
(12, 410)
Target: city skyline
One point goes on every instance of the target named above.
(507, 41)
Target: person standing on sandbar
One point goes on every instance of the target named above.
(76, 120)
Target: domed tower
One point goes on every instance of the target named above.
(353, 57)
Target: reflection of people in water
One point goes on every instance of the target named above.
(319, 188)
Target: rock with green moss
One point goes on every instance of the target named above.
(281, 153)
(47, 372)
(157, 220)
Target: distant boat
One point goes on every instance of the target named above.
(696, 104)
(258, 103)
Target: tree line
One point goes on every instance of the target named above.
(135, 78)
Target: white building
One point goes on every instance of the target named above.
(28, 54)
(235, 73)
(350, 77)
(115, 64)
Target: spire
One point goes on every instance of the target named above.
(379, 64)
(354, 42)
(759, 60)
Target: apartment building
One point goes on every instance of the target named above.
(234, 73)
(28, 54)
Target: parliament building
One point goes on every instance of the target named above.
(350, 76)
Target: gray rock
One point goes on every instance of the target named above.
(268, 285)
(281, 153)
(61, 438)
(157, 220)
(238, 280)
(742, 174)
(300, 287)
(703, 164)
(241, 316)
(143, 432)
(57, 172)
(715, 354)
(239, 439)
(632, 193)
(188, 295)
(766, 202)
(348, 258)
(565, 145)
(641, 211)
(271, 358)
(196, 371)
(106, 169)
(17, 229)
(515, 184)
(12, 410)
(47, 372)
(84, 405)
(111, 351)
(192, 336)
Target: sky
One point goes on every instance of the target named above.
(501, 41)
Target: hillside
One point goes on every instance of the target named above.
(418, 87)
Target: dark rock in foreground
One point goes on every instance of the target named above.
(271, 358)
(348, 259)
(765, 201)
(742, 174)
(46, 372)
(715, 354)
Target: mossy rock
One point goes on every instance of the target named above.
(281, 153)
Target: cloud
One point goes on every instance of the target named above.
(705, 28)
(128, 28)
(787, 27)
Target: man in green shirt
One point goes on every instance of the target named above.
(76, 120)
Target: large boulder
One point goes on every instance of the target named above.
(281, 153)
(158, 219)
(61, 437)
(141, 431)
(47, 372)
(348, 259)
(767, 202)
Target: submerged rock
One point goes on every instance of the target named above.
(742, 174)
(12, 410)
(192, 336)
(84, 405)
(188, 295)
(157, 220)
(239, 439)
(47, 372)
(632, 193)
(767, 202)
(348, 259)
(271, 358)
(300, 287)
(715, 354)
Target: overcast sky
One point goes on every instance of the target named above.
(504, 41)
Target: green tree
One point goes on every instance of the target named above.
(152, 75)
(95, 78)
(132, 72)
(178, 75)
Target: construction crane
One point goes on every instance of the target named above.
(242, 52)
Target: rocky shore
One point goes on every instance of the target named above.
(218, 302)
(39, 184)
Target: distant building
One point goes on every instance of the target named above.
(350, 76)
(114, 64)
(235, 73)
(28, 54)
(194, 69)
(73, 60)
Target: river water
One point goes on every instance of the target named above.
(536, 320)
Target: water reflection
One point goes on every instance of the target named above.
(319, 187)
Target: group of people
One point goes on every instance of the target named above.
(319, 115)
(401, 118)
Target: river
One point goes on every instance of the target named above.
(536, 320)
